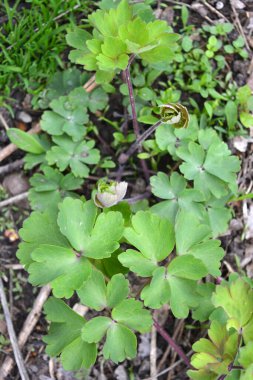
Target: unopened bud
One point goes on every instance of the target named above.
(175, 114)
(109, 194)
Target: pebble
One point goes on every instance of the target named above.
(15, 183)
(120, 373)
(144, 346)
(24, 116)
(219, 5)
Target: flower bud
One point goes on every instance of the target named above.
(175, 114)
(109, 194)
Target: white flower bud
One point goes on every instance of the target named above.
(110, 194)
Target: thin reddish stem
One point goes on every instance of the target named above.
(132, 101)
(134, 114)
(172, 343)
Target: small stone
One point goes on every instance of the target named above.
(33, 368)
(219, 5)
(15, 183)
(24, 116)
(236, 225)
(120, 373)
(144, 346)
(240, 143)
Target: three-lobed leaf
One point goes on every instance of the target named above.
(76, 155)
(40, 228)
(176, 285)
(192, 237)
(60, 267)
(236, 299)
(153, 237)
(50, 188)
(64, 336)
(59, 253)
(97, 295)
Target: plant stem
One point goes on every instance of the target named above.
(172, 343)
(134, 114)
(132, 101)
(125, 156)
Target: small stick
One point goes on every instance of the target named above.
(14, 266)
(12, 335)
(214, 10)
(153, 353)
(166, 370)
(14, 199)
(3, 121)
(11, 166)
(89, 83)
(91, 87)
(66, 12)
(9, 149)
(239, 26)
(27, 328)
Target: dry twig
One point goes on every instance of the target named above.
(90, 84)
(153, 353)
(4, 123)
(13, 338)
(12, 200)
(27, 328)
(239, 25)
(214, 10)
(5, 169)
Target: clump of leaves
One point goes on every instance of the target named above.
(50, 188)
(209, 164)
(127, 314)
(75, 352)
(230, 342)
(118, 33)
(214, 356)
(68, 115)
(82, 236)
(76, 155)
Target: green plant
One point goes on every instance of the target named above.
(86, 247)
(200, 68)
(228, 351)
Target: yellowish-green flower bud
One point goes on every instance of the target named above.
(109, 194)
(175, 114)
